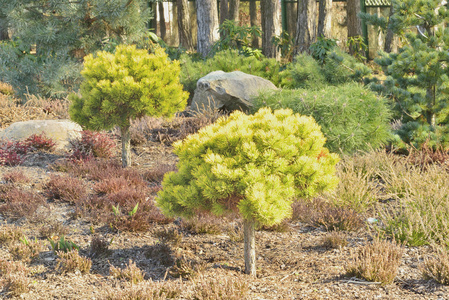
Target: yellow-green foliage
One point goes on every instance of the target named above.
(256, 164)
(127, 85)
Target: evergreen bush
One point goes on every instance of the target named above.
(251, 164)
(303, 73)
(125, 86)
(351, 117)
(340, 68)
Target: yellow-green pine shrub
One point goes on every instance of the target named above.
(125, 86)
(253, 164)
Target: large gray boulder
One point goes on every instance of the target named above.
(60, 131)
(228, 91)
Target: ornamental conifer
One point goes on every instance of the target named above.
(255, 165)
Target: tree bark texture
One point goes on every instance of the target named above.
(162, 25)
(305, 25)
(3, 28)
(234, 10)
(207, 19)
(325, 19)
(249, 246)
(184, 28)
(271, 26)
(253, 20)
(126, 146)
(389, 36)
(224, 11)
(354, 23)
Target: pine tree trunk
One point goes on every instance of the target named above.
(354, 24)
(253, 20)
(207, 19)
(224, 11)
(325, 19)
(126, 146)
(234, 10)
(306, 25)
(249, 246)
(389, 37)
(184, 28)
(271, 26)
(162, 26)
(3, 28)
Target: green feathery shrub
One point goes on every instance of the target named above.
(303, 73)
(351, 117)
(251, 164)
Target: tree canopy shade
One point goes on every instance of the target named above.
(255, 165)
(125, 86)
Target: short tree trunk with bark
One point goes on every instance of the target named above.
(162, 26)
(306, 25)
(271, 26)
(207, 19)
(253, 20)
(249, 236)
(126, 146)
(234, 10)
(325, 19)
(184, 28)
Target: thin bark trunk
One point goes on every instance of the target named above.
(389, 36)
(271, 26)
(306, 25)
(325, 19)
(253, 20)
(234, 10)
(184, 28)
(162, 26)
(354, 24)
(126, 146)
(224, 11)
(249, 246)
(207, 19)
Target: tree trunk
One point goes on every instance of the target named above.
(325, 19)
(305, 25)
(126, 146)
(234, 10)
(162, 26)
(3, 28)
(389, 36)
(224, 11)
(184, 28)
(207, 19)
(249, 246)
(271, 26)
(354, 24)
(253, 20)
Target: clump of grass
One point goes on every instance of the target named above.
(10, 233)
(99, 246)
(185, 268)
(14, 276)
(6, 89)
(334, 240)
(130, 273)
(20, 203)
(161, 252)
(169, 236)
(145, 290)
(25, 250)
(157, 172)
(71, 262)
(319, 212)
(203, 223)
(15, 177)
(376, 262)
(53, 228)
(437, 267)
(284, 226)
(224, 288)
(66, 188)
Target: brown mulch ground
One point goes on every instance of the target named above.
(290, 265)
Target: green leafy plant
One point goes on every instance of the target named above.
(62, 245)
(351, 117)
(286, 44)
(125, 86)
(235, 37)
(357, 47)
(321, 48)
(254, 165)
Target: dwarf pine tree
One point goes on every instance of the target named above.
(125, 86)
(49, 38)
(252, 164)
(418, 75)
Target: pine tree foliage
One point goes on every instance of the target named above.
(50, 37)
(254, 164)
(418, 76)
(125, 86)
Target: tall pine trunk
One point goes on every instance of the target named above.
(306, 25)
(354, 23)
(253, 20)
(224, 11)
(184, 28)
(271, 26)
(234, 10)
(162, 26)
(249, 236)
(207, 19)
(126, 146)
(325, 19)
(389, 36)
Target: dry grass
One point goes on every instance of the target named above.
(72, 262)
(157, 172)
(53, 228)
(20, 203)
(147, 290)
(203, 223)
(437, 267)
(99, 246)
(25, 250)
(376, 262)
(229, 288)
(334, 240)
(10, 233)
(15, 177)
(66, 188)
(130, 273)
(169, 236)
(14, 277)
(6, 89)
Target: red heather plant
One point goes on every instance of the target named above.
(19, 203)
(15, 177)
(92, 144)
(66, 188)
(40, 142)
(13, 153)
